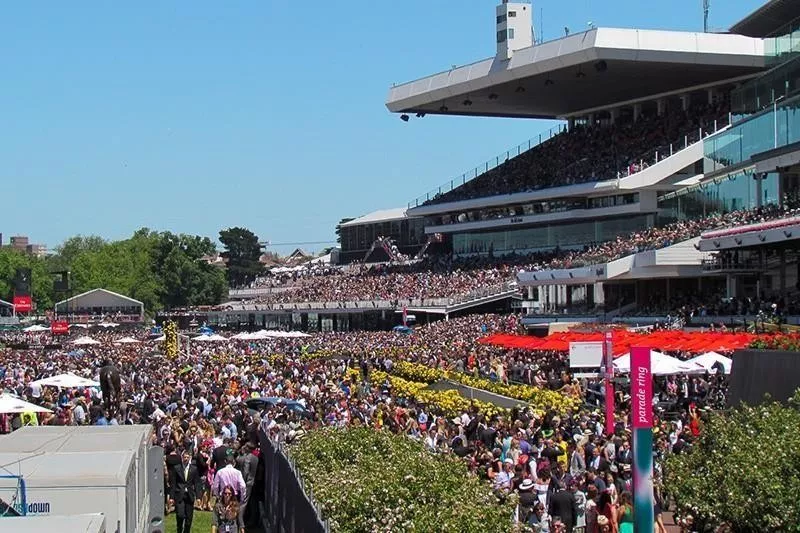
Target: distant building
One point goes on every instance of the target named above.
(22, 243)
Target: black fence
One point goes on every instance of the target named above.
(287, 506)
(758, 372)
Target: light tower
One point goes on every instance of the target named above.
(514, 27)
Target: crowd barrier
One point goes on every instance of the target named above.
(287, 506)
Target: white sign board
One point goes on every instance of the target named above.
(586, 354)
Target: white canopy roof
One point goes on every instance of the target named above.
(162, 338)
(126, 340)
(80, 341)
(36, 328)
(660, 364)
(107, 324)
(67, 381)
(708, 360)
(269, 334)
(210, 338)
(12, 404)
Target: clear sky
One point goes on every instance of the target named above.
(192, 116)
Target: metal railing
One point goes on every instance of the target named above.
(491, 164)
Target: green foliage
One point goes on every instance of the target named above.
(368, 480)
(242, 251)
(744, 471)
(41, 281)
(162, 270)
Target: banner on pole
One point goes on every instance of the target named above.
(23, 304)
(642, 422)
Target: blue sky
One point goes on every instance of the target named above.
(195, 116)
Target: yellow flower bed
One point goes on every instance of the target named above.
(450, 402)
(540, 399)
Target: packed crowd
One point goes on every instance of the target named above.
(560, 463)
(595, 153)
(446, 276)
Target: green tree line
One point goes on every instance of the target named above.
(163, 270)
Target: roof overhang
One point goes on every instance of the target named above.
(602, 67)
(774, 233)
(767, 18)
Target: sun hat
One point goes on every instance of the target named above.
(527, 484)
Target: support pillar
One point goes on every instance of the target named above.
(614, 115)
(711, 94)
(730, 286)
(660, 106)
(685, 102)
(637, 111)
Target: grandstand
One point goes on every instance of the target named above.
(667, 138)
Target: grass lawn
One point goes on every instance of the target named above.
(201, 523)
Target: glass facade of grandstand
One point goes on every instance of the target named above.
(775, 127)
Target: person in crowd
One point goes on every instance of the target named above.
(227, 517)
(183, 493)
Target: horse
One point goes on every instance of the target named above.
(110, 384)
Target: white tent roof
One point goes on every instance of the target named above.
(707, 361)
(107, 324)
(67, 381)
(126, 340)
(162, 338)
(660, 364)
(12, 404)
(210, 338)
(80, 341)
(36, 328)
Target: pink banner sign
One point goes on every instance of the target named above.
(641, 388)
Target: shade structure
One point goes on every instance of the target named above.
(82, 341)
(11, 404)
(660, 364)
(209, 338)
(82, 326)
(126, 340)
(623, 340)
(709, 359)
(107, 324)
(36, 328)
(162, 338)
(67, 381)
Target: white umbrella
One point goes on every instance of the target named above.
(162, 338)
(244, 336)
(708, 360)
(12, 404)
(108, 324)
(660, 364)
(82, 326)
(80, 341)
(210, 338)
(36, 328)
(67, 381)
(126, 340)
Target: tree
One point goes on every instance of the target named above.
(724, 480)
(339, 229)
(242, 252)
(369, 480)
(41, 281)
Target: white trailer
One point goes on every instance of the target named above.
(79, 523)
(95, 469)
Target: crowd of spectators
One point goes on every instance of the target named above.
(561, 464)
(591, 153)
(447, 276)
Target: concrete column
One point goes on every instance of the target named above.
(660, 106)
(591, 119)
(614, 115)
(684, 102)
(571, 123)
(730, 286)
(637, 111)
(759, 188)
(782, 273)
(711, 94)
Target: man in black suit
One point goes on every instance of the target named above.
(248, 465)
(563, 505)
(183, 492)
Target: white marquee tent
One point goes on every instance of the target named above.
(708, 360)
(12, 404)
(83, 341)
(126, 340)
(68, 381)
(661, 365)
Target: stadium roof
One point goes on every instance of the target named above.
(382, 215)
(768, 18)
(599, 68)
